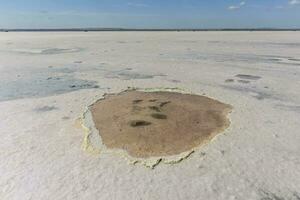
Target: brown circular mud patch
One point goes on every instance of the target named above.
(153, 124)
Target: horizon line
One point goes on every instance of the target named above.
(142, 29)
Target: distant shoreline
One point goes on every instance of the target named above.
(129, 29)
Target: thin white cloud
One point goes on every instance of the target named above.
(294, 2)
(290, 3)
(236, 7)
(233, 7)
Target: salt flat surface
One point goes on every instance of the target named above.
(48, 79)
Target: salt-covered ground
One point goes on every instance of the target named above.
(48, 79)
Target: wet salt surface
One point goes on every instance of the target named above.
(55, 80)
(128, 74)
(256, 158)
(47, 51)
(42, 82)
(233, 57)
(259, 94)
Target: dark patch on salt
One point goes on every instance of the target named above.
(249, 77)
(45, 108)
(137, 101)
(158, 116)
(137, 123)
(155, 108)
(229, 80)
(243, 81)
(162, 104)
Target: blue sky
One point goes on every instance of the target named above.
(150, 13)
